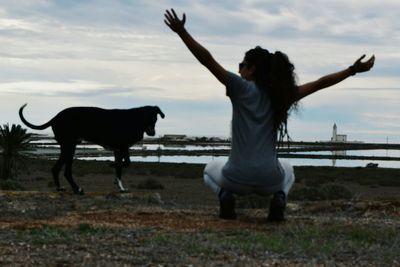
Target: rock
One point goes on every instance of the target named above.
(155, 198)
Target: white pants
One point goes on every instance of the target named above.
(214, 178)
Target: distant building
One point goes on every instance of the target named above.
(338, 137)
(174, 137)
(342, 138)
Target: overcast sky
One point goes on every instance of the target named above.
(120, 54)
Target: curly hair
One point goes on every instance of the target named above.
(274, 74)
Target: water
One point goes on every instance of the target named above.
(343, 163)
(205, 159)
(165, 159)
(293, 161)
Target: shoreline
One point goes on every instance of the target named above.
(202, 151)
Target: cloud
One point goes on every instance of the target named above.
(70, 88)
(384, 121)
(364, 114)
(13, 25)
(120, 53)
(339, 20)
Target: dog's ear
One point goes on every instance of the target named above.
(159, 112)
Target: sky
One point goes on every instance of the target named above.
(120, 54)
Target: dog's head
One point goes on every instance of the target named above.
(152, 119)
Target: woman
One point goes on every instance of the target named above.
(262, 98)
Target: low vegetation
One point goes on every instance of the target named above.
(14, 143)
(150, 184)
(169, 217)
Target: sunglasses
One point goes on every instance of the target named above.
(242, 64)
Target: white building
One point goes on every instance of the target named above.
(174, 137)
(338, 137)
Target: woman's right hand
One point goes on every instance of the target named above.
(173, 22)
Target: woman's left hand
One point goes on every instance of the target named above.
(364, 66)
(173, 22)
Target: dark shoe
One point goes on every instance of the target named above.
(226, 205)
(61, 189)
(79, 191)
(277, 207)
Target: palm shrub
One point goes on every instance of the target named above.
(14, 143)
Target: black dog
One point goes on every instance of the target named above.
(114, 129)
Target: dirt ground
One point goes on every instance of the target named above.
(178, 225)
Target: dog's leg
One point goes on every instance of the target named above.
(56, 171)
(69, 151)
(118, 170)
(126, 158)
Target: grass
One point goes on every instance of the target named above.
(309, 175)
(150, 184)
(325, 191)
(47, 235)
(309, 241)
(334, 240)
(310, 237)
(82, 167)
(314, 176)
(287, 240)
(11, 184)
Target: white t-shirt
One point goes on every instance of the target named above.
(253, 156)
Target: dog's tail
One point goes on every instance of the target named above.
(30, 125)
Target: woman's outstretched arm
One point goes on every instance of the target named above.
(201, 53)
(334, 78)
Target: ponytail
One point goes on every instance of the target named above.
(275, 75)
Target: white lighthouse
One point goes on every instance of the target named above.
(337, 137)
(334, 133)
